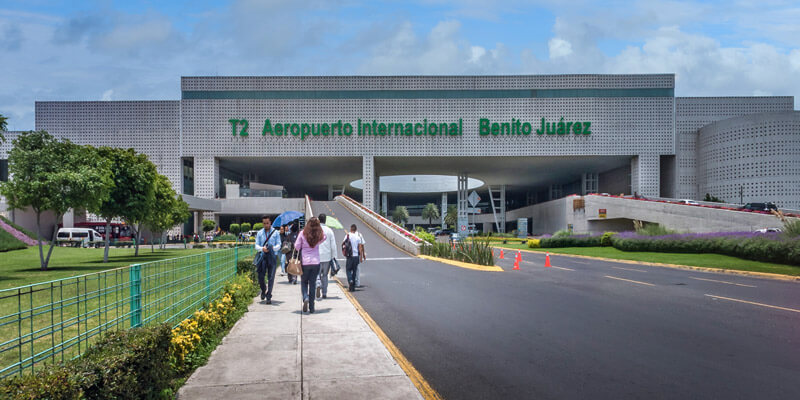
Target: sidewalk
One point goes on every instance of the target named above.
(276, 352)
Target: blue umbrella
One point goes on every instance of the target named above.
(286, 217)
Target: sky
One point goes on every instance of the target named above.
(138, 49)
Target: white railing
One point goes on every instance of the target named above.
(394, 233)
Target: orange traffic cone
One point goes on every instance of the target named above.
(519, 256)
(547, 260)
(501, 254)
(516, 265)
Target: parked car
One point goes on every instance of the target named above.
(454, 237)
(444, 232)
(79, 237)
(689, 202)
(759, 207)
(766, 230)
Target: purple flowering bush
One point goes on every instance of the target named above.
(767, 247)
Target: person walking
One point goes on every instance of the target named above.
(283, 255)
(291, 237)
(268, 243)
(307, 244)
(356, 255)
(327, 251)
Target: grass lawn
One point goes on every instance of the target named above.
(21, 267)
(696, 260)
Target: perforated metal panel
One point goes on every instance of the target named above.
(149, 127)
(758, 153)
(693, 113)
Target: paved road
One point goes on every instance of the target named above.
(587, 329)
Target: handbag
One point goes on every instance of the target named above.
(295, 266)
(334, 267)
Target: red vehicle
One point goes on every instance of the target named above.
(119, 231)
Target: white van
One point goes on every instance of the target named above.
(79, 237)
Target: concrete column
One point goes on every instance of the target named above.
(646, 175)
(330, 192)
(197, 225)
(385, 203)
(444, 209)
(370, 180)
(462, 227)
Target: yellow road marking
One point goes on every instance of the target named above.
(726, 282)
(568, 269)
(463, 264)
(629, 269)
(753, 303)
(419, 381)
(629, 280)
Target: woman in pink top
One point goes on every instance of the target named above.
(307, 244)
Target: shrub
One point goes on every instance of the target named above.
(791, 227)
(235, 229)
(246, 226)
(226, 238)
(474, 252)
(258, 226)
(562, 233)
(654, 230)
(426, 236)
(605, 239)
(194, 338)
(570, 241)
(533, 243)
(127, 364)
(198, 246)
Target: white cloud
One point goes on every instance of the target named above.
(559, 48)
(107, 95)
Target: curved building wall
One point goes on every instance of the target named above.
(758, 153)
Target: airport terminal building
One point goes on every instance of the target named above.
(246, 145)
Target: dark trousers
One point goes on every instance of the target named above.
(266, 270)
(308, 283)
(352, 269)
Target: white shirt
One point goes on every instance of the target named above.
(327, 249)
(355, 240)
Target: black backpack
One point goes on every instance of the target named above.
(347, 247)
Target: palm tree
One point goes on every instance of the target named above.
(431, 212)
(451, 218)
(3, 127)
(400, 215)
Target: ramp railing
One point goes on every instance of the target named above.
(394, 233)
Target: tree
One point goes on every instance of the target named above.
(235, 229)
(208, 225)
(246, 227)
(258, 226)
(713, 199)
(167, 209)
(51, 175)
(400, 215)
(3, 127)
(132, 194)
(451, 218)
(431, 212)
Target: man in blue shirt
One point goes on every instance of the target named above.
(268, 243)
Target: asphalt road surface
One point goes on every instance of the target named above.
(582, 329)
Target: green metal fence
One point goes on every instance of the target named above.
(58, 320)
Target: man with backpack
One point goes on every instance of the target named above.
(327, 253)
(268, 243)
(353, 249)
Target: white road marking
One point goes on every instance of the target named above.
(630, 269)
(753, 303)
(726, 282)
(629, 280)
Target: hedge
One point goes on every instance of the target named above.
(571, 241)
(768, 247)
(128, 364)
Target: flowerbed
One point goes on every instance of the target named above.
(385, 221)
(476, 252)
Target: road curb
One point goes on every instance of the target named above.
(422, 385)
(460, 264)
(765, 275)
